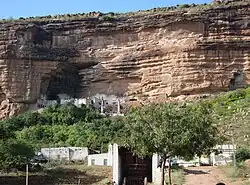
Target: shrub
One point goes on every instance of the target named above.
(184, 6)
(14, 154)
(242, 155)
(108, 18)
(236, 95)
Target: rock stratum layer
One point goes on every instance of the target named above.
(145, 57)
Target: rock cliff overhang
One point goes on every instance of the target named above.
(163, 54)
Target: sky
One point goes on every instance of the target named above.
(27, 8)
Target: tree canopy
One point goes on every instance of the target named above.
(171, 130)
(14, 154)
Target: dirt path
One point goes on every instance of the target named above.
(206, 176)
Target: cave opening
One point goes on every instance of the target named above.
(237, 81)
(65, 80)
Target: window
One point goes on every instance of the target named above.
(92, 161)
(105, 162)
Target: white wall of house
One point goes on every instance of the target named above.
(65, 153)
(81, 101)
(103, 159)
(56, 153)
(156, 172)
(110, 155)
(226, 155)
(78, 153)
(116, 165)
(110, 99)
(98, 159)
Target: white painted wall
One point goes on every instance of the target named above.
(226, 155)
(156, 172)
(110, 155)
(116, 165)
(110, 99)
(56, 153)
(81, 101)
(65, 153)
(78, 153)
(98, 159)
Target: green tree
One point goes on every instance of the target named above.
(170, 130)
(6, 131)
(14, 154)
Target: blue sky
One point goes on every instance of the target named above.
(26, 8)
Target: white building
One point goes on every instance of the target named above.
(66, 153)
(103, 159)
(225, 155)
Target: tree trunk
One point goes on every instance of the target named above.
(163, 171)
(169, 171)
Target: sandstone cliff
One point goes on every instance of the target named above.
(148, 56)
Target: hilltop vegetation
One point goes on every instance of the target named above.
(111, 16)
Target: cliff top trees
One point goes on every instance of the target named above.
(170, 130)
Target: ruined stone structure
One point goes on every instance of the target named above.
(148, 56)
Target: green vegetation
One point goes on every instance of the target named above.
(65, 175)
(231, 111)
(14, 154)
(74, 174)
(192, 8)
(242, 155)
(68, 125)
(242, 176)
(171, 130)
(65, 125)
(178, 176)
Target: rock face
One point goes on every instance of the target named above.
(156, 56)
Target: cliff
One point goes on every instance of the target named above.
(155, 55)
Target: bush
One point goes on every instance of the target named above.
(108, 18)
(14, 154)
(242, 155)
(237, 95)
(184, 6)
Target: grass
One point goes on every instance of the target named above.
(241, 176)
(80, 173)
(178, 176)
(73, 174)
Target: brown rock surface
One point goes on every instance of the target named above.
(145, 57)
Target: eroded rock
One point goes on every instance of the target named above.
(152, 57)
